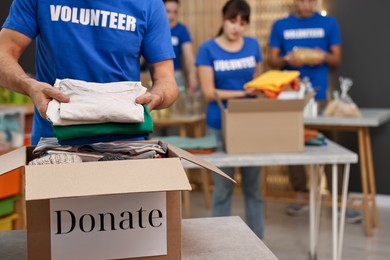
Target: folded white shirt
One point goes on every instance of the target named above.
(92, 103)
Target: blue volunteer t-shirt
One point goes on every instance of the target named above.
(96, 41)
(180, 35)
(313, 32)
(231, 70)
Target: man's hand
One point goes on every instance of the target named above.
(321, 58)
(42, 93)
(151, 100)
(164, 90)
(289, 58)
(252, 92)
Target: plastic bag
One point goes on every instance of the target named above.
(311, 108)
(342, 104)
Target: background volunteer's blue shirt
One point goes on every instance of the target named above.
(180, 35)
(231, 70)
(316, 31)
(96, 41)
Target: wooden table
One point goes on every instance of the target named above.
(332, 154)
(371, 117)
(189, 126)
(203, 238)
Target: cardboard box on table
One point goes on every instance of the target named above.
(104, 210)
(262, 125)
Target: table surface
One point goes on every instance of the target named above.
(180, 119)
(203, 238)
(332, 153)
(371, 117)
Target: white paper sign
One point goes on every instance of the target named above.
(109, 227)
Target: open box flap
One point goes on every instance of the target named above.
(198, 161)
(264, 105)
(104, 178)
(12, 160)
(309, 96)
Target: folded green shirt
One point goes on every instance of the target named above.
(88, 130)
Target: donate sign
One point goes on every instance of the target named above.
(109, 227)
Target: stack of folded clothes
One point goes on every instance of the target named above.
(49, 151)
(314, 138)
(273, 82)
(99, 112)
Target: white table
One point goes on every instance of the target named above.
(203, 238)
(371, 117)
(333, 154)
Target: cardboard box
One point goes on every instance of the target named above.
(262, 125)
(98, 210)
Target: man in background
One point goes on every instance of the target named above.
(182, 45)
(319, 37)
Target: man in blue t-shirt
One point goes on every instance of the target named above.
(95, 41)
(306, 29)
(182, 45)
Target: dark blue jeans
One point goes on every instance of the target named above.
(251, 187)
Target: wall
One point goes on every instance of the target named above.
(366, 55)
(204, 18)
(27, 60)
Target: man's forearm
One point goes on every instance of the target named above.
(332, 60)
(168, 91)
(164, 84)
(277, 62)
(12, 76)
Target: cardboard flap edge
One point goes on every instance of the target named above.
(219, 101)
(74, 179)
(309, 96)
(12, 160)
(198, 161)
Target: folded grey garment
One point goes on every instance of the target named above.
(131, 148)
(128, 148)
(85, 157)
(113, 157)
(56, 159)
(145, 155)
(95, 156)
(50, 143)
(117, 157)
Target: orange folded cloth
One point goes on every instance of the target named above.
(272, 82)
(309, 134)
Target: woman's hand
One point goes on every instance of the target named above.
(252, 92)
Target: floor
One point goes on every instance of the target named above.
(288, 237)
